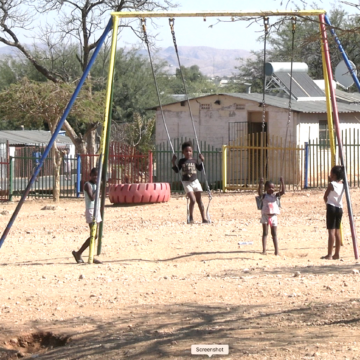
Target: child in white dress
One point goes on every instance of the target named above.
(269, 211)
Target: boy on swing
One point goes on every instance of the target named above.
(188, 167)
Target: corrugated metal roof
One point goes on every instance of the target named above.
(318, 106)
(347, 97)
(190, 97)
(302, 84)
(307, 106)
(31, 137)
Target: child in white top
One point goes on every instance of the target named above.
(333, 200)
(269, 211)
(89, 194)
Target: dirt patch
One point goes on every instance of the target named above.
(40, 342)
(165, 285)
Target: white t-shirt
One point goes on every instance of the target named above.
(335, 196)
(270, 206)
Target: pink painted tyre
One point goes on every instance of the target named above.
(139, 193)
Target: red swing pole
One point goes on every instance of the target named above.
(337, 129)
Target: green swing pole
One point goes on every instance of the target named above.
(105, 167)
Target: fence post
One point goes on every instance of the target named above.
(306, 165)
(224, 167)
(78, 175)
(11, 179)
(150, 166)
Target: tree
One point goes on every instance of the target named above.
(307, 46)
(137, 133)
(38, 103)
(133, 90)
(307, 42)
(251, 69)
(196, 82)
(77, 26)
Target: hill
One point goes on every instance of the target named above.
(211, 61)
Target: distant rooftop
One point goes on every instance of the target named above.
(31, 137)
(346, 104)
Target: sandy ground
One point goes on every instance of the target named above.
(165, 285)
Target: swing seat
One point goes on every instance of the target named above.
(259, 202)
(144, 193)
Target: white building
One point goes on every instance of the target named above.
(222, 118)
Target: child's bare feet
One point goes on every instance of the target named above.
(277, 254)
(327, 257)
(191, 221)
(336, 257)
(205, 221)
(264, 253)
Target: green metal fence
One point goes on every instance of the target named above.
(319, 160)
(163, 167)
(22, 168)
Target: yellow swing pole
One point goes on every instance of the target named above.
(102, 147)
(329, 116)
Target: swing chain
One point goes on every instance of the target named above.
(266, 25)
(143, 24)
(266, 29)
(293, 23)
(293, 19)
(172, 23)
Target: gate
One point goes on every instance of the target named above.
(253, 156)
(239, 129)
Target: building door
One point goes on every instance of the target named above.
(257, 140)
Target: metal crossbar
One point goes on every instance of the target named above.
(205, 14)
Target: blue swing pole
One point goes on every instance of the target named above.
(56, 132)
(343, 53)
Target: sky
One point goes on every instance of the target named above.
(225, 35)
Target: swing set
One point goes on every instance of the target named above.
(113, 24)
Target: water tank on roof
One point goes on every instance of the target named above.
(274, 67)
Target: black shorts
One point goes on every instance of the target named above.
(333, 217)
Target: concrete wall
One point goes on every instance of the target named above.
(307, 125)
(212, 126)
(307, 129)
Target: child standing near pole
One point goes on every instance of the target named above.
(333, 200)
(89, 194)
(270, 210)
(188, 167)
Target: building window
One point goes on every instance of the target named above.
(324, 134)
(239, 106)
(205, 106)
